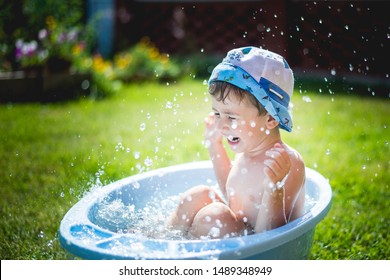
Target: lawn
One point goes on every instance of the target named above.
(51, 154)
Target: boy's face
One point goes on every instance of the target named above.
(240, 123)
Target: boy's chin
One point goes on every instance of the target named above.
(235, 146)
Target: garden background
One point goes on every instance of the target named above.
(80, 108)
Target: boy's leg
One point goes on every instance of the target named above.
(191, 202)
(216, 220)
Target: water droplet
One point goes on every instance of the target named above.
(346, 27)
(136, 185)
(333, 72)
(267, 131)
(364, 167)
(253, 124)
(142, 126)
(168, 105)
(234, 124)
(327, 152)
(50, 243)
(137, 155)
(41, 234)
(148, 162)
(306, 99)
(215, 232)
(62, 194)
(148, 116)
(201, 50)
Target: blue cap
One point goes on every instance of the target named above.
(266, 75)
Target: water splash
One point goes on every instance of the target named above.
(122, 218)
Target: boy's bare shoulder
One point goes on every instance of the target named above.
(297, 170)
(295, 156)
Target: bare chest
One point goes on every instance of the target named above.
(244, 191)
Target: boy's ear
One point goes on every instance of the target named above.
(271, 122)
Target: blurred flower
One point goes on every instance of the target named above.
(102, 66)
(29, 54)
(55, 41)
(144, 62)
(42, 34)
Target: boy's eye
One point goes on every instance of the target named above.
(232, 118)
(217, 114)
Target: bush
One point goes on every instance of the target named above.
(144, 62)
(23, 19)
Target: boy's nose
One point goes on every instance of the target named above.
(222, 125)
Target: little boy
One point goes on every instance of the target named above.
(264, 187)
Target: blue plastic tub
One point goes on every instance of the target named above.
(85, 237)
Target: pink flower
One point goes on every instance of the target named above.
(42, 34)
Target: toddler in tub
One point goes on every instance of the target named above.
(263, 187)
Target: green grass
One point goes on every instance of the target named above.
(51, 154)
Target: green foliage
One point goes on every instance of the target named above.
(69, 13)
(144, 62)
(23, 19)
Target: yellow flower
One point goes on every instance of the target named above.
(145, 42)
(164, 58)
(153, 53)
(51, 22)
(77, 49)
(123, 61)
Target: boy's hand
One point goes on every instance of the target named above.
(212, 136)
(278, 164)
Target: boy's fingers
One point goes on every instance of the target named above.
(273, 169)
(280, 155)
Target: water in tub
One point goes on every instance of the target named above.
(149, 221)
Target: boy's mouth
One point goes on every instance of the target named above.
(233, 139)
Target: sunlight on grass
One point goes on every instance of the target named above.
(51, 154)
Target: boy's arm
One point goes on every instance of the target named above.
(281, 189)
(218, 155)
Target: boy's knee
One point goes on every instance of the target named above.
(215, 220)
(200, 193)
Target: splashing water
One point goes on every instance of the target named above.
(148, 221)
